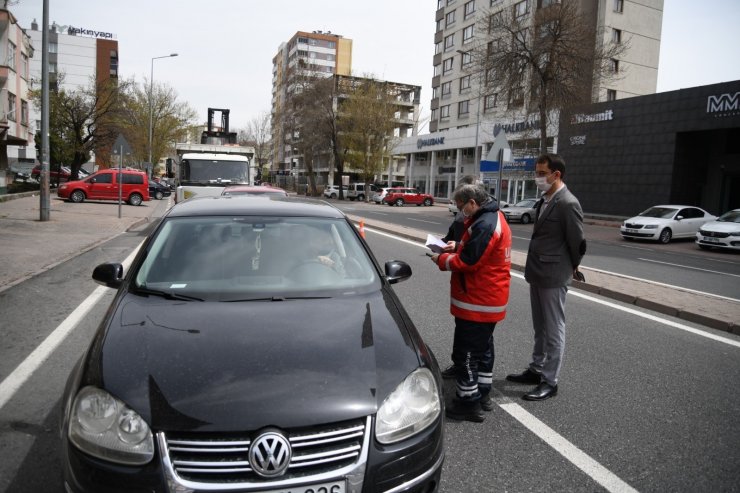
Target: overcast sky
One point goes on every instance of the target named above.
(226, 47)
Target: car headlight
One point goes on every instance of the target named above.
(62, 187)
(735, 233)
(105, 427)
(651, 226)
(410, 408)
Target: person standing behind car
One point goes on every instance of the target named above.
(479, 292)
(555, 252)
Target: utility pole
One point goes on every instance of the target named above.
(44, 196)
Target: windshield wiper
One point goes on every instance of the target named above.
(278, 298)
(166, 294)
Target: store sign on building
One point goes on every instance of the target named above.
(430, 142)
(510, 128)
(81, 31)
(604, 116)
(724, 105)
(578, 140)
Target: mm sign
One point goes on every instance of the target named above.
(724, 103)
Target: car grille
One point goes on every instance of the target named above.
(633, 226)
(713, 234)
(206, 458)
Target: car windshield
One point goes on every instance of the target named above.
(525, 203)
(730, 217)
(661, 212)
(214, 171)
(245, 258)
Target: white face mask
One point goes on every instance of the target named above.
(541, 182)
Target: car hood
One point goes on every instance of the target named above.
(720, 227)
(647, 220)
(211, 366)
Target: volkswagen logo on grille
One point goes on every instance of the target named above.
(269, 454)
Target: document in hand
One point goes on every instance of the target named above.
(435, 244)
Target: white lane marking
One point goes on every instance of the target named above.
(656, 283)
(423, 221)
(688, 267)
(576, 456)
(33, 361)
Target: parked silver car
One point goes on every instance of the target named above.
(523, 211)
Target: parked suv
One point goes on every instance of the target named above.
(332, 191)
(401, 196)
(357, 191)
(103, 185)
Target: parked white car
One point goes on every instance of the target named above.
(722, 233)
(332, 191)
(378, 196)
(664, 222)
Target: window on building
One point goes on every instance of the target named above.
(495, 20)
(24, 65)
(521, 9)
(303, 40)
(490, 101)
(465, 59)
(468, 34)
(52, 68)
(450, 18)
(446, 89)
(438, 48)
(611, 95)
(495, 2)
(440, 25)
(447, 65)
(435, 92)
(53, 47)
(619, 6)
(24, 112)
(450, 2)
(444, 111)
(469, 9)
(11, 107)
(547, 3)
(617, 36)
(449, 42)
(463, 108)
(440, 4)
(437, 69)
(10, 60)
(464, 83)
(332, 44)
(614, 65)
(516, 98)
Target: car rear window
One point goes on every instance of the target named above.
(133, 179)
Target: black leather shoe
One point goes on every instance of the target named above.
(465, 411)
(449, 372)
(486, 403)
(528, 377)
(541, 392)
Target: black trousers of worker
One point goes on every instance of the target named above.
(473, 355)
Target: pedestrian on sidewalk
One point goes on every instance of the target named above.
(555, 252)
(479, 292)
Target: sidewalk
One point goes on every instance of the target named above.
(711, 311)
(30, 246)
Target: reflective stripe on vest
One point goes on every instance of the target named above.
(478, 308)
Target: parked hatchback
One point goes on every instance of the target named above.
(664, 222)
(332, 191)
(255, 344)
(158, 190)
(722, 233)
(104, 185)
(402, 196)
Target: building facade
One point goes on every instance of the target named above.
(82, 57)
(465, 119)
(318, 53)
(17, 148)
(676, 147)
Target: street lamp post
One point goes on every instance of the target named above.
(151, 107)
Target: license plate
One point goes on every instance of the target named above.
(333, 487)
(631, 230)
(711, 240)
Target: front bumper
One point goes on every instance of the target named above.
(729, 242)
(645, 234)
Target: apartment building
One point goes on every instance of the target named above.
(318, 53)
(81, 55)
(17, 149)
(465, 119)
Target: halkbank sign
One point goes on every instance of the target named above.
(430, 142)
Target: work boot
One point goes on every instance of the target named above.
(450, 372)
(465, 411)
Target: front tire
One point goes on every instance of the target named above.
(665, 236)
(158, 195)
(399, 202)
(77, 196)
(135, 199)
(333, 196)
(361, 198)
(427, 202)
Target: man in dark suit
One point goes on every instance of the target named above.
(555, 251)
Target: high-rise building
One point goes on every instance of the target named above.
(83, 56)
(17, 150)
(316, 53)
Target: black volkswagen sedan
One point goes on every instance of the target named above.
(255, 345)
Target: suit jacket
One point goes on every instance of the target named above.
(557, 245)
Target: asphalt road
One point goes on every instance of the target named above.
(644, 403)
(680, 263)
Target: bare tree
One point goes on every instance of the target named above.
(550, 60)
(367, 116)
(257, 135)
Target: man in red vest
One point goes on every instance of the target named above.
(479, 291)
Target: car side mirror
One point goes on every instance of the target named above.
(678, 218)
(397, 271)
(110, 275)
